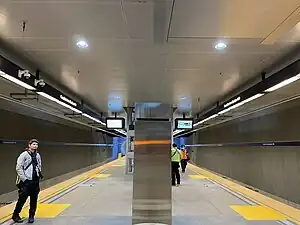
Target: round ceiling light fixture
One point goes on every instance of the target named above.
(82, 44)
(220, 46)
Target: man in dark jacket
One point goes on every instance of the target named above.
(29, 166)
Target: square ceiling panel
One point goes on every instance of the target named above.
(139, 17)
(46, 19)
(229, 18)
(148, 19)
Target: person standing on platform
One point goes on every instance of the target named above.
(176, 157)
(185, 158)
(29, 165)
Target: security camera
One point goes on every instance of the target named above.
(24, 73)
(40, 83)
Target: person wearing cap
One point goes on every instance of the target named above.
(28, 168)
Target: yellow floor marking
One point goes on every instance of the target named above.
(6, 211)
(117, 165)
(289, 212)
(197, 177)
(47, 210)
(101, 175)
(257, 213)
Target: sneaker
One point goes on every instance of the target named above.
(31, 220)
(177, 185)
(17, 219)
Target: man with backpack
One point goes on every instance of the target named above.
(28, 169)
(176, 157)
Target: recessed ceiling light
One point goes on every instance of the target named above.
(82, 44)
(220, 45)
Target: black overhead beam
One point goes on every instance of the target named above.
(289, 71)
(285, 73)
(13, 70)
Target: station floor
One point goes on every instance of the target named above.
(105, 198)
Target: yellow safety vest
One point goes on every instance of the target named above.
(176, 155)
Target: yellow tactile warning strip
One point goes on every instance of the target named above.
(117, 165)
(6, 211)
(197, 177)
(257, 213)
(101, 175)
(286, 211)
(47, 210)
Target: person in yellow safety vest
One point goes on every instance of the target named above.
(185, 158)
(176, 157)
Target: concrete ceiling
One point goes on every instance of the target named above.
(151, 50)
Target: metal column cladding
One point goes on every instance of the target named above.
(152, 196)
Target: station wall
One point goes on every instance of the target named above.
(274, 170)
(59, 162)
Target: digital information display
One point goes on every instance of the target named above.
(184, 124)
(115, 123)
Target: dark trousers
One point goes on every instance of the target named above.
(28, 189)
(183, 164)
(175, 173)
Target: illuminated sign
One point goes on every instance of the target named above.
(68, 100)
(115, 123)
(181, 124)
(232, 102)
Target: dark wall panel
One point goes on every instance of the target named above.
(272, 169)
(57, 160)
(20, 127)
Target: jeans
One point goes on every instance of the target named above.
(27, 189)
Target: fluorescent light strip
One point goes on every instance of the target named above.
(211, 117)
(275, 87)
(230, 108)
(283, 83)
(94, 119)
(252, 98)
(16, 81)
(241, 103)
(203, 121)
(177, 132)
(74, 109)
(196, 124)
(58, 102)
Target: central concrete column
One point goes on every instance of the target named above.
(152, 196)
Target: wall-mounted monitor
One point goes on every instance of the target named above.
(183, 124)
(115, 123)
